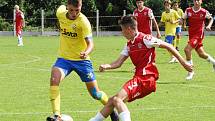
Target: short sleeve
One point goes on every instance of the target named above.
(150, 14)
(151, 41)
(86, 28)
(162, 17)
(124, 51)
(60, 10)
(208, 15)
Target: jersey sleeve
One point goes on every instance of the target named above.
(86, 28)
(208, 15)
(124, 51)
(151, 15)
(162, 18)
(60, 10)
(177, 16)
(151, 41)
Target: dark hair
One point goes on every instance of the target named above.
(128, 20)
(75, 3)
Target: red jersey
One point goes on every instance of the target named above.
(196, 20)
(144, 20)
(19, 19)
(142, 53)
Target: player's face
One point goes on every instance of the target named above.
(139, 4)
(126, 32)
(175, 6)
(167, 5)
(73, 11)
(197, 2)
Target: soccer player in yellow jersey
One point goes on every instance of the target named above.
(76, 43)
(170, 18)
(178, 28)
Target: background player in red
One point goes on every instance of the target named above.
(20, 23)
(141, 49)
(196, 16)
(145, 18)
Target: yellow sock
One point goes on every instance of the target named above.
(55, 99)
(177, 42)
(104, 98)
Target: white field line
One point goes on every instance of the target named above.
(35, 59)
(93, 111)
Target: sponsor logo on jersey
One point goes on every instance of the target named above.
(70, 34)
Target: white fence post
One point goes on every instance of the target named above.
(97, 23)
(14, 23)
(42, 22)
(124, 12)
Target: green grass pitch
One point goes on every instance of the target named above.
(25, 73)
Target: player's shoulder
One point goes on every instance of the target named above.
(61, 10)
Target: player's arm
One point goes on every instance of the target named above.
(183, 20)
(152, 17)
(154, 42)
(116, 64)
(89, 49)
(209, 16)
(87, 34)
(174, 52)
(23, 19)
(162, 21)
(156, 27)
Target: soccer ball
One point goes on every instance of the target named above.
(66, 117)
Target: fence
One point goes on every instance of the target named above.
(101, 25)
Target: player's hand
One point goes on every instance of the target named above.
(185, 28)
(158, 35)
(208, 28)
(103, 67)
(83, 55)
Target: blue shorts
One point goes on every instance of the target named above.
(178, 30)
(83, 68)
(169, 39)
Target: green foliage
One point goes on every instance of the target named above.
(5, 26)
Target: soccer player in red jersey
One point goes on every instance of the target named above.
(196, 16)
(20, 23)
(141, 50)
(145, 17)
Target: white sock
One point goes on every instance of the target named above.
(125, 116)
(211, 59)
(99, 117)
(190, 62)
(20, 40)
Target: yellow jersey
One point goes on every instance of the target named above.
(180, 13)
(72, 34)
(170, 28)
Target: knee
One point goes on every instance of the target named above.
(54, 80)
(116, 100)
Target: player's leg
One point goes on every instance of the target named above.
(94, 91)
(85, 70)
(188, 49)
(115, 101)
(206, 56)
(19, 36)
(178, 37)
(170, 39)
(58, 73)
